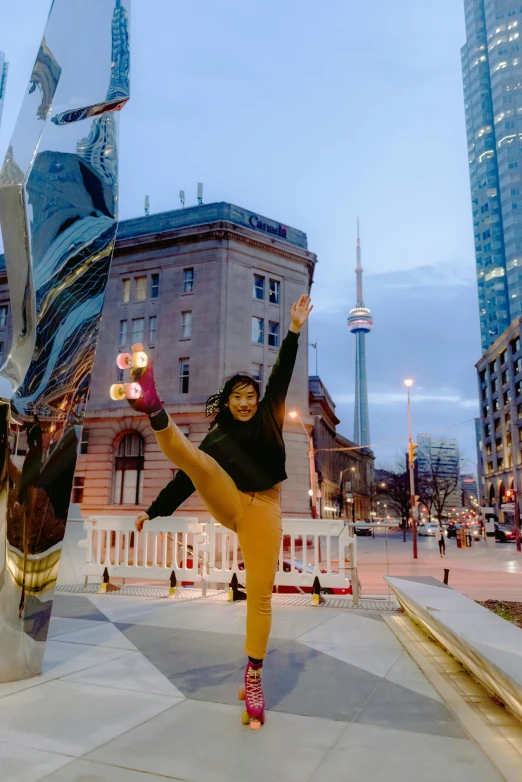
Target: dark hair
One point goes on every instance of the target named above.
(217, 402)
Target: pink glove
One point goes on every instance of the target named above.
(149, 401)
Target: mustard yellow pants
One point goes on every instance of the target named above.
(255, 516)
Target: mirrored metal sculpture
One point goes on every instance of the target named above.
(58, 212)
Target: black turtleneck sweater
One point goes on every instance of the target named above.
(251, 452)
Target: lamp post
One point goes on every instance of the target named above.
(311, 461)
(411, 453)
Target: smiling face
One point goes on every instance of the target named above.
(243, 402)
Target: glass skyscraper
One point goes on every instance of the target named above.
(3, 81)
(492, 74)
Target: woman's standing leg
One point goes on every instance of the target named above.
(259, 532)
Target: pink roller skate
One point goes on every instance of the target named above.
(137, 360)
(254, 715)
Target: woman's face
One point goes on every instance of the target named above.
(243, 402)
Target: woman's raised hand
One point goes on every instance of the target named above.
(300, 312)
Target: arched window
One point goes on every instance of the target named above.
(128, 473)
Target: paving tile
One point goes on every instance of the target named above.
(71, 718)
(117, 607)
(205, 742)
(398, 707)
(76, 607)
(62, 659)
(20, 764)
(89, 771)
(60, 625)
(367, 634)
(105, 634)
(367, 658)
(132, 672)
(8, 688)
(385, 755)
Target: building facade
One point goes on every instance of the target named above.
(469, 490)
(345, 473)
(492, 75)
(438, 466)
(500, 389)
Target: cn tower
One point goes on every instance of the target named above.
(360, 323)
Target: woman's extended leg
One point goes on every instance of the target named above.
(215, 487)
(259, 532)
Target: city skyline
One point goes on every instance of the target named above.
(278, 156)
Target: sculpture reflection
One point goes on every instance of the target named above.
(58, 208)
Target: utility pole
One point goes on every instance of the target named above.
(411, 458)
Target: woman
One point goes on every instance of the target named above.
(237, 471)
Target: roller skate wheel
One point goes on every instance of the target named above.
(241, 695)
(117, 392)
(133, 391)
(245, 718)
(140, 359)
(138, 347)
(124, 361)
(255, 724)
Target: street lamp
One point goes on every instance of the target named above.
(295, 415)
(408, 383)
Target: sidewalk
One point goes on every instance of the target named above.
(143, 690)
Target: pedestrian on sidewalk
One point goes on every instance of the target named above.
(237, 470)
(441, 540)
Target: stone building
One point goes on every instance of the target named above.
(208, 290)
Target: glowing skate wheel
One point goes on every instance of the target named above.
(133, 391)
(245, 718)
(138, 347)
(241, 695)
(140, 359)
(117, 392)
(124, 361)
(255, 724)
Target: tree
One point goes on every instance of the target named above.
(436, 485)
(396, 489)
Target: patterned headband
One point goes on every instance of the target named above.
(213, 403)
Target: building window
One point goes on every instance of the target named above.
(489, 449)
(259, 287)
(141, 288)
(507, 419)
(186, 325)
(184, 371)
(258, 330)
(487, 430)
(77, 492)
(518, 388)
(154, 290)
(515, 345)
(486, 411)
(491, 367)
(1, 352)
(517, 366)
(126, 291)
(274, 292)
(505, 377)
(138, 329)
(482, 376)
(493, 386)
(508, 439)
(128, 475)
(123, 333)
(500, 463)
(188, 280)
(496, 405)
(499, 444)
(273, 334)
(490, 467)
(3, 316)
(84, 444)
(152, 329)
(503, 357)
(507, 397)
(257, 372)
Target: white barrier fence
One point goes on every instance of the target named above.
(206, 553)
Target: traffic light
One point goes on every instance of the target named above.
(412, 452)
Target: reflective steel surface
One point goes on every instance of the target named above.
(58, 212)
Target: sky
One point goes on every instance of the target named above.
(313, 115)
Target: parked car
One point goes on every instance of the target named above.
(428, 529)
(363, 528)
(505, 533)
